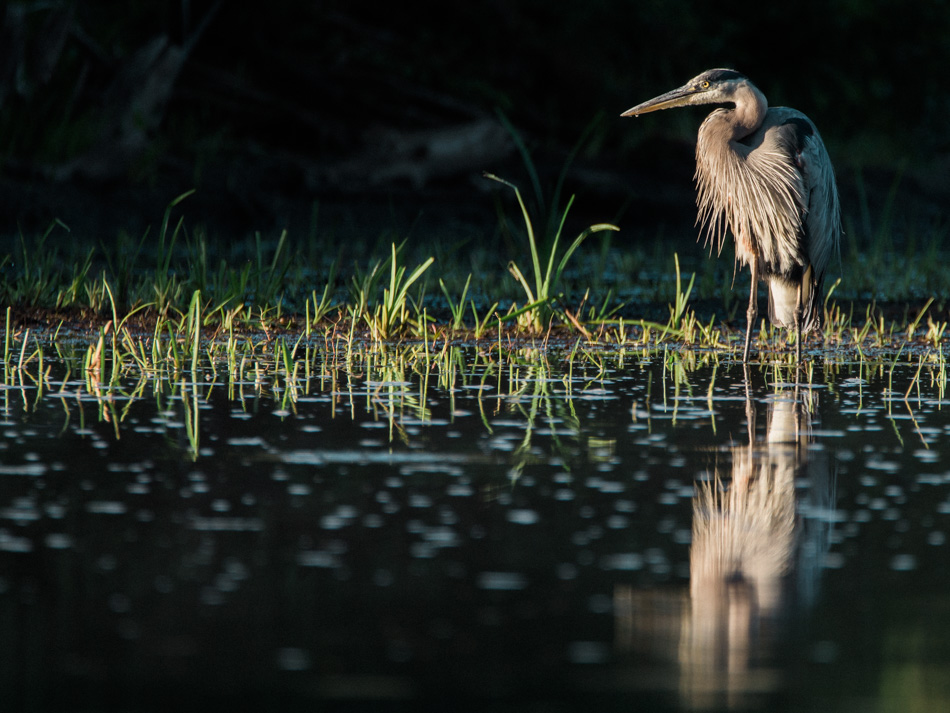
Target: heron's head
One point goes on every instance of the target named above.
(714, 86)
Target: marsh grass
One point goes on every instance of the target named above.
(116, 367)
(179, 282)
(539, 310)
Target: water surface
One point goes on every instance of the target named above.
(612, 530)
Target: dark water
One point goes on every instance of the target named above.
(460, 530)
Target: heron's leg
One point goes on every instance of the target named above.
(798, 326)
(753, 307)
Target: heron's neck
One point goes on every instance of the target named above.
(749, 113)
(721, 166)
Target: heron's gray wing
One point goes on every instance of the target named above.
(823, 219)
(777, 202)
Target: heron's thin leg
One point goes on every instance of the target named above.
(753, 307)
(798, 326)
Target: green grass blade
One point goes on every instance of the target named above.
(597, 228)
(516, 271)
(548, 285)
(529, 227)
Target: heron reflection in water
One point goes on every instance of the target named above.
(758, 538)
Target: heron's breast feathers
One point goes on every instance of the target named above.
(760, 196)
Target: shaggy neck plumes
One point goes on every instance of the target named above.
(737, 184)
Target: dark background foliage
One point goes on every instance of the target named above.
(110, 109)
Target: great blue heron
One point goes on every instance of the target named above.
(765, 174)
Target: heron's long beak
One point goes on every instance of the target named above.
(678, 97)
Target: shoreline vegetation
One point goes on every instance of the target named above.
(554, 292)
(164, 315)
(182, 359)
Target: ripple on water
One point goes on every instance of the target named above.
(12, 543)
(459, 490)
(58, 541)
(318, 558)
(418, 500)
(501, 581)
(623, 561)
(425, 468)
(28, 469)
(333, 522)
(422, 550)
(523, 516)
(903, 562)
(618, 522)
(255, 441)
(441, 537)
(21, 512)
(227, 524)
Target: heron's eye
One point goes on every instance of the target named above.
(704, 84)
